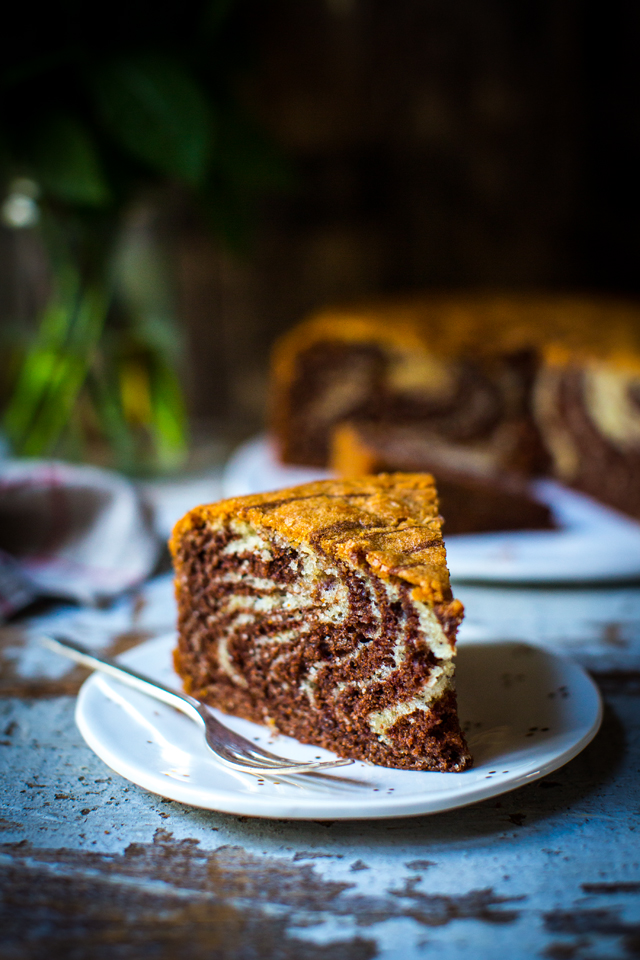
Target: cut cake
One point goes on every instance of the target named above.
(549, 381)
(326, 611)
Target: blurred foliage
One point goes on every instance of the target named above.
(102, 106)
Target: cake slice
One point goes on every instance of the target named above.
(325, 610)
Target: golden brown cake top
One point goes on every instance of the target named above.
(558, 326)
(387, 523)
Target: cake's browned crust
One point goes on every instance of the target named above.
(475, 493)
(389, 524)
(481, 324)
(317, 676)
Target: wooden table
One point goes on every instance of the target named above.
(93, 866)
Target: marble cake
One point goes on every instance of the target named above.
(551, 381)
(326, 611)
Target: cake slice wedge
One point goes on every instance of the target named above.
(325, 610)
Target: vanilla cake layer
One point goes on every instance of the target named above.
(326, 611)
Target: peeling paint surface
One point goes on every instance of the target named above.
(93, 866)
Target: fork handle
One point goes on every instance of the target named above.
(153, 688)
(193, 709)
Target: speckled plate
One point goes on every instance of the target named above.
(525, 711)
(593, 543)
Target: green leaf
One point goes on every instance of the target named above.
(66, 164)
(228, 213)
(245, 165)
(247, 157)
(55, 368)
(169, 417)
(157, 111)
(105, 394)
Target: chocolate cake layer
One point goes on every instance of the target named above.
(478, 371)
(326, 611)
(476, 494)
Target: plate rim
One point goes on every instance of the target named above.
(249, 804)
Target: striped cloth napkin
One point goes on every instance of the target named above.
(75, 532)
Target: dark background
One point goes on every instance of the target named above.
(434, 144)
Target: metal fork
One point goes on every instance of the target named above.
(231, 748)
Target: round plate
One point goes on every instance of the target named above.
(525, 712)
(593, 543)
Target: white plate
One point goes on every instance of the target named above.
(526, 712)
(593, 543)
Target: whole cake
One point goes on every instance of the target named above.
(552, 382)
(326, 611)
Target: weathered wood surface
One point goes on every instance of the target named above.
(93, 866)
